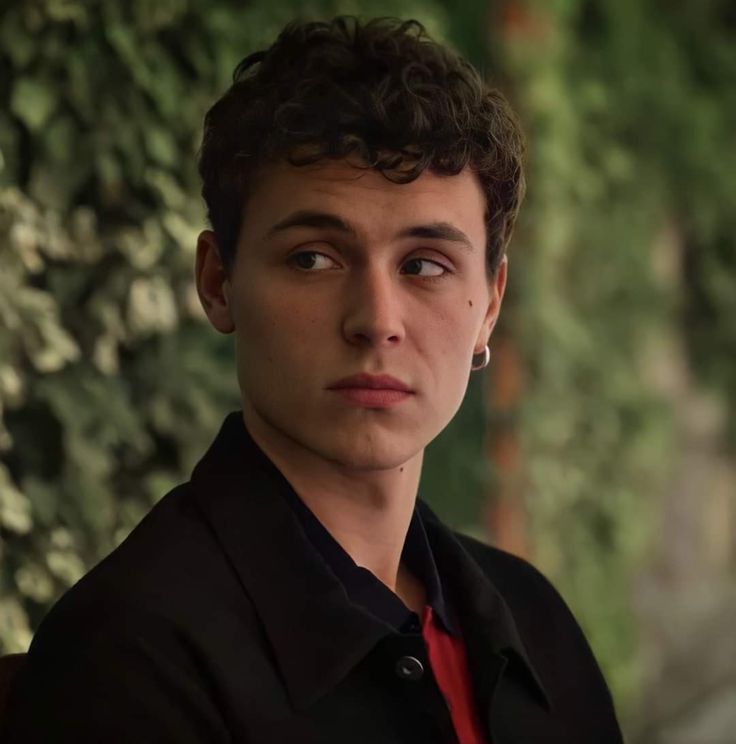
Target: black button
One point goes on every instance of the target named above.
(409, 667)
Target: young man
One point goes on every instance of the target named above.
(362, 186)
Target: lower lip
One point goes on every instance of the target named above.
(372, 398)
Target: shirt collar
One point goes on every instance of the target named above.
(236, 488)
(363, 587)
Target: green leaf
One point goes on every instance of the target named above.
(15, 508)
(32, 101)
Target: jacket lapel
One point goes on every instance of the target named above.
(316, 634)
(494, 646)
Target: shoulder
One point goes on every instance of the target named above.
(516, 579)
(170, 571)
(500, 564)
(130, 679)
(128, 641)
(552, 636)
(531, 597)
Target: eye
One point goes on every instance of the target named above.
(424, 267)
(311, 261)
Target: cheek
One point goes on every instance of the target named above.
(273, 328)
(451, 336)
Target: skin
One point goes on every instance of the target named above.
(357, 301)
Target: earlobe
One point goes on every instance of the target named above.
(213, 283)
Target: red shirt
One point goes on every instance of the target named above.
(449, 662)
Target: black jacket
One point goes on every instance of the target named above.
(218, 621)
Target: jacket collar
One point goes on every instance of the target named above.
(317, 634)
(486, 619)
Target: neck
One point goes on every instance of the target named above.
(366, 511)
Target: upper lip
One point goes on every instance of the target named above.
(374, 382)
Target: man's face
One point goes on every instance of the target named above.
(340, 272)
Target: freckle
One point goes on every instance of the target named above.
(401, 470)
(470, 302)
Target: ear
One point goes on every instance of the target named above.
(497, 287)
(213, 284)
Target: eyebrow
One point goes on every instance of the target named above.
(326, 220)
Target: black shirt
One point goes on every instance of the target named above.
(364, 588)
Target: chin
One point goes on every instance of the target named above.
(362, 452)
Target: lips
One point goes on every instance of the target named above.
(372, 391)
(371, 382)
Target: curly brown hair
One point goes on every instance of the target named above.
(382, 91)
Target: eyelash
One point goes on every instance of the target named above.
(445, 270)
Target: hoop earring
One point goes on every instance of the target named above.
(484, 363)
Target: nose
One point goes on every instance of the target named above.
(373, 309)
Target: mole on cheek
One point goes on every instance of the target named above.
(470, 303)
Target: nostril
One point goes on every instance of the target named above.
(373, 313)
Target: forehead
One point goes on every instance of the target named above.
(365, 198)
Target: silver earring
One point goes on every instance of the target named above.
(486, 359)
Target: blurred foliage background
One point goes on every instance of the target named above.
(601, 443)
